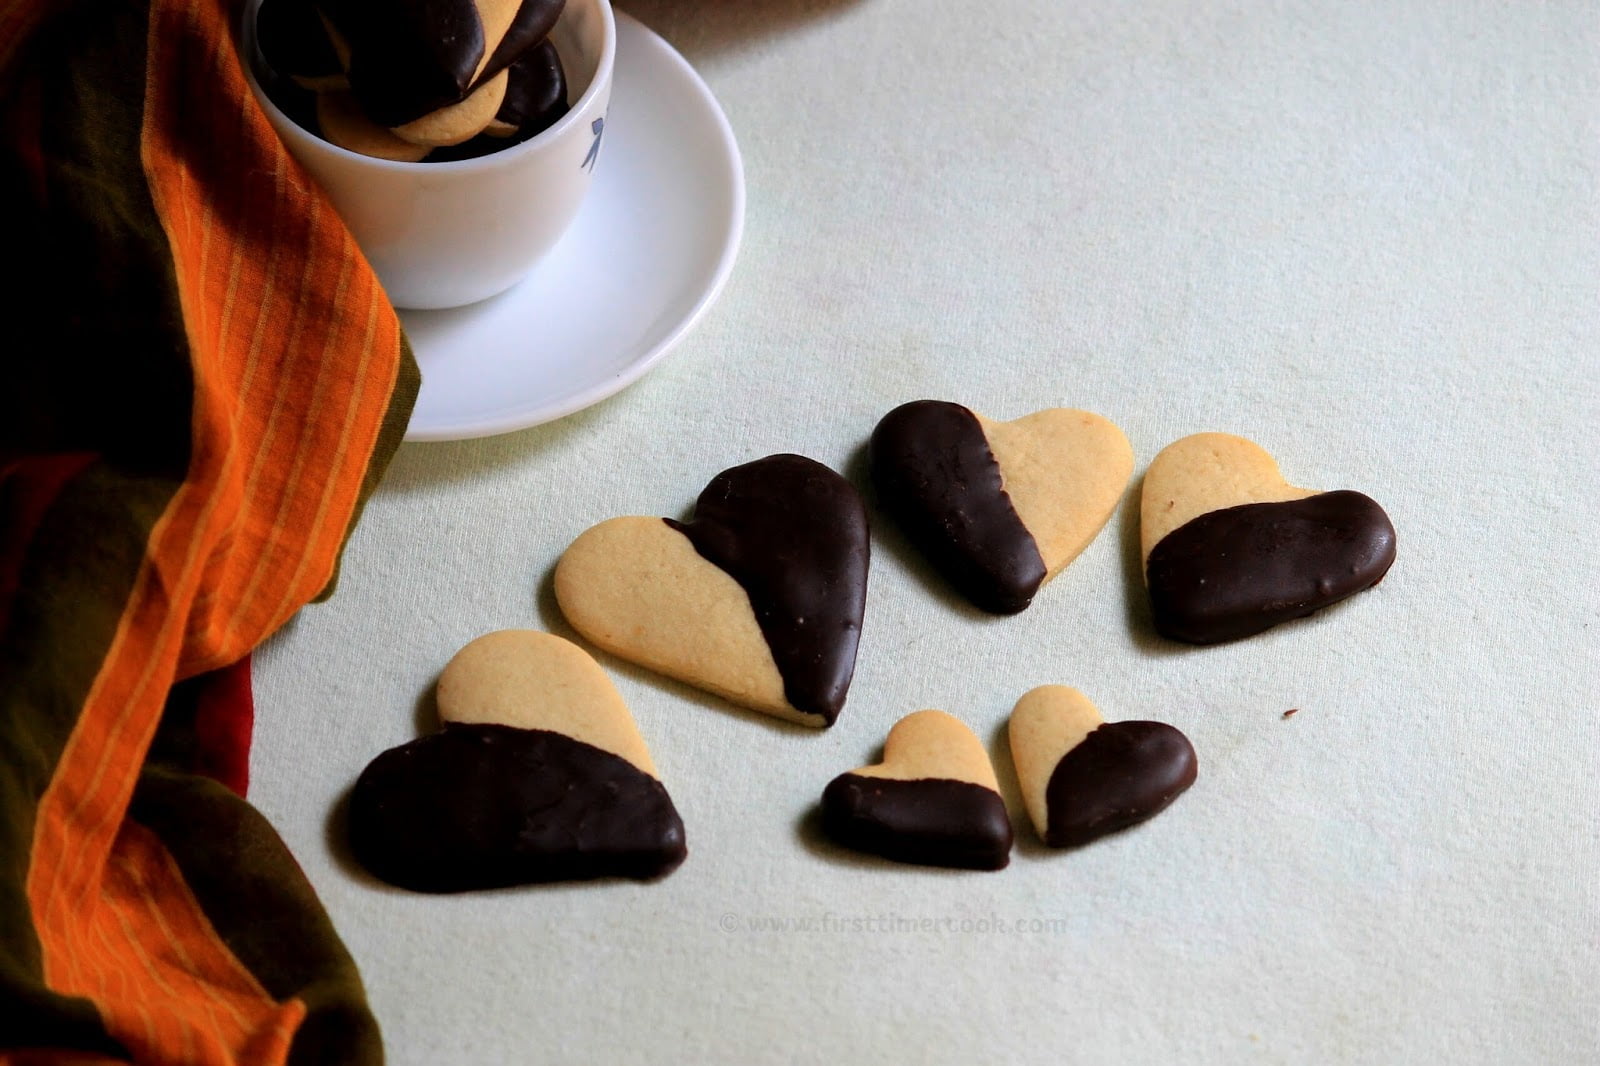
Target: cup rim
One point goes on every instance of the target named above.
(491, 161)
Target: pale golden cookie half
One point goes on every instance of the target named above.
(1064, 471)
(1207, 472)
(344, 123)
(637, 588)
(496, 17)
(1082, 777)
(534, 680)
(935, 744)
(458, 122)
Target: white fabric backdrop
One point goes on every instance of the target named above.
(1362, 234)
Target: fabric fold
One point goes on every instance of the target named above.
(205, 383)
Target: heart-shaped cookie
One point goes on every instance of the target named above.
(536, 94)
(757, 598)
(539, 774)
(1083, 777)
(460, 121)
(933, 800)
(408, 58)
(1231, 548)
(999, 508)
(342, 122)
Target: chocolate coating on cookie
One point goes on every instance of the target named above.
(793, 534)
(936, 475)
(929, 821)
(487, 806)
(1234, 572)
(536, 98)
(532, 24)
(408, 57)
(536, 93)
(1119, 775)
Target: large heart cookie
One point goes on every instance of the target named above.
(757, 598)
(538, 775)
(1083, 777)
(1231, 548)
(999, 508)
(933, 799)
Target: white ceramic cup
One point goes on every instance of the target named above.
(447, 234)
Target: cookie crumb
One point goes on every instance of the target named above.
(1291, 712)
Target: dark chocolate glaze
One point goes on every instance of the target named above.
(936, 476)
(532, 24)
(408, 57)
(793, 534)
(536, 91)
(536, 97)
(292, 40)
(1231, 573)
(931, 821)
(486, 806)
(1119, 775)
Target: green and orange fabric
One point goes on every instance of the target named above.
(201, 383)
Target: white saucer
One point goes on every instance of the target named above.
(645, 258)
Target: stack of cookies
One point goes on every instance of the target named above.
(409, 80)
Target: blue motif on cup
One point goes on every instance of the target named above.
(598, 126)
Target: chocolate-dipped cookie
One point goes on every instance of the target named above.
(1083, 777)
(758, 597)
(933, 800)
(1232, 549)
(529, 28)
(408, 58)
(536, 98)
(999, 508)
(460, 121)
(466, 77)
(341, 121)
(536, 95)
(539, 774)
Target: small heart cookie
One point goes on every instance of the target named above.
(933, 800)
(539, 774)
(757, 598)
(1083, 777)
(1231, 548)
(999, 508)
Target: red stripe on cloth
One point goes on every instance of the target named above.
(223, 720)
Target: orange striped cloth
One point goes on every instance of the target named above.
(204, 381)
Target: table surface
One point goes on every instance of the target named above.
(1361, 234)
